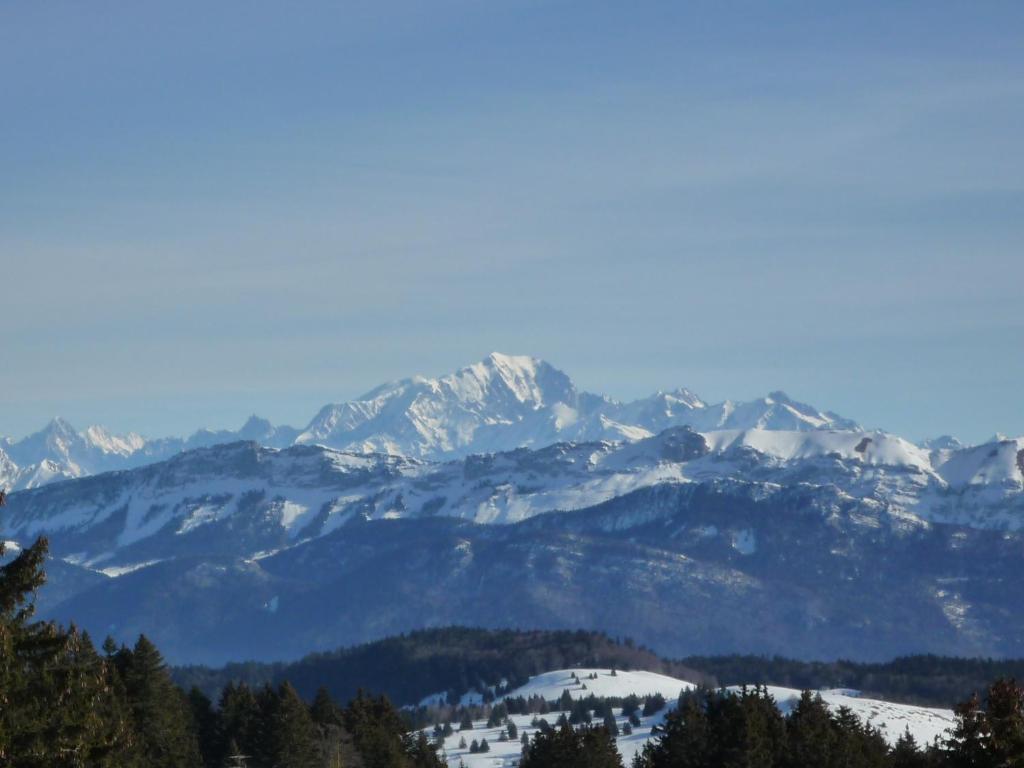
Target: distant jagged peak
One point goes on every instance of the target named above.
(498, 403)
(942, 443)
(679, 395)
(256, 423)
(58, 424)
(109, 442)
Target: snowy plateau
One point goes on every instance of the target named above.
(500, 495)
(924, 723)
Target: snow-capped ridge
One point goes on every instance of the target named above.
(507, 401)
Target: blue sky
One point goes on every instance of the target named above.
(214, 209)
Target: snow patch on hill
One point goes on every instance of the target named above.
(550, 685)
(925, 723)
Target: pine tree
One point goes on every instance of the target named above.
(907, 754)
(685, 739)
(610, 725)
(422, 754)
(565, 702)
(1005, 717)
(290, 738)
(569, 748)
(60, 702)
(238, 722)
(653, 704)
(159, 710)
(204, 725)
(323, 709)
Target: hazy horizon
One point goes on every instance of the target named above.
(212, 211)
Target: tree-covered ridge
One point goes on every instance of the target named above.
(454, 660)
(928, 680)
(449, 660)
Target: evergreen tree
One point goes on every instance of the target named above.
(513, 731)
(569, 748)
(290, 740)
(653, 704)
(422, 754)
(381, 737)
(684, 740)
(323, 709)
(630, 704)
(907, 754)
(204, 726)
(1005, 717)
(159, 709)
(238, 724)
(809, 733)
(565, 702)
(610, 725)
(61, 704)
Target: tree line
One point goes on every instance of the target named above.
(454, 660)
(450, 660)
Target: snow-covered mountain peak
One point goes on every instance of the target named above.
(942, 443)
(530, 381)
(998, 463)
(122, 445)
(870, 448)
(498, 404)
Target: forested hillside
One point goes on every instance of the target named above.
(455, 660)
(449, 660)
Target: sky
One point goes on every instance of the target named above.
(209, 210)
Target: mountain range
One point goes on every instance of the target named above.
(498, 404)
(499, 496)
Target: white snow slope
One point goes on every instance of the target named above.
(926, 724)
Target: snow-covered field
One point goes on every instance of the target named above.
(925, 723)
(891, 719)
(550, 685)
